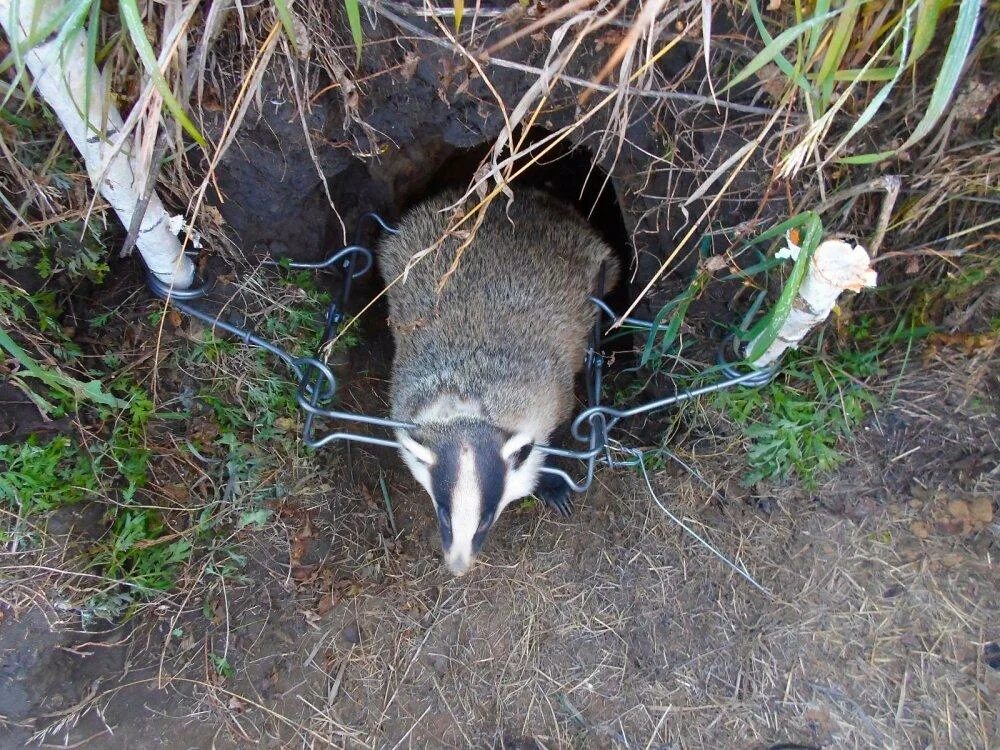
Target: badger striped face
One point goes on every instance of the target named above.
(472, 471)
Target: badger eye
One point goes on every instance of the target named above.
(444, 518)
(521, 456)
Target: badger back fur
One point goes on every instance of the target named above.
(485, 365)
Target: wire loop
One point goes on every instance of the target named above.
(317, 384)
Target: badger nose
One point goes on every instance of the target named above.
(458, 564)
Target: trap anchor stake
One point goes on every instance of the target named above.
(317, 385)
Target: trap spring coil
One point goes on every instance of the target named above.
(317, 385)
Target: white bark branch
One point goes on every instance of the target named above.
(834, 268)
(61, 74)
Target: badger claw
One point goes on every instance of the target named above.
(555, 493)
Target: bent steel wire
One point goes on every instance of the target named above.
(317, 385)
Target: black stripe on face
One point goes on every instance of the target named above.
(492, 472)
(444, 475)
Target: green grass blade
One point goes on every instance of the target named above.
(879, 99)
(840, 39)
(951, 69)
(779, 230)
(73, 23)
(772, 323)
(872, 158)
(129, 11)
(459, 6)
(92, 25)
(354, 19)
(39, 32)
(689, 296)
(781, 61)
(58, 381)
(13, 119)
(773, 48)
(285, 16)
(875, 75)
(647, 350)
(823, 6)
(927, 22)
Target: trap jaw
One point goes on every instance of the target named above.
(317, 385)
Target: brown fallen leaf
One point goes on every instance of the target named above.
(410, 63)
(981, 511)
(302, 573)
(300, 542)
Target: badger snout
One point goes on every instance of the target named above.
(458, 564)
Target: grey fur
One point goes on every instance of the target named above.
(508, 331)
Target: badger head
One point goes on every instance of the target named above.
(472, 471)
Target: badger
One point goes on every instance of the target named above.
(484, 366)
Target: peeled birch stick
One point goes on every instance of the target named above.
(62, 71)
(834, 268)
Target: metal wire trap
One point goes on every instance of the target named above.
(317, 385)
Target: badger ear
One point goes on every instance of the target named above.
(420, 452)
(517, 449)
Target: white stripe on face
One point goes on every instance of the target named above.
(466, 509)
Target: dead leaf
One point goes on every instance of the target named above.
(974, 101)
(325, 604)
(178, 492)
(920, 529)
(410, 62)
(514, 13)
(715, 263)
(300, 543)
(981, 511)
(959, 510)
(302, 573)
(774, 84)
(952, 559)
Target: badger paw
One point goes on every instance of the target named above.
(555, 493)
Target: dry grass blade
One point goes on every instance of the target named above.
(130, 16)
(640, 25)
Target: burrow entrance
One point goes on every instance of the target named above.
(568, 172)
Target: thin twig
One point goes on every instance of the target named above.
(890, 184)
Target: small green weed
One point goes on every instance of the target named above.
(36, 477)
(249, 436)
(222, 666)
(795, 425)
(137, 555)
(67, 247)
